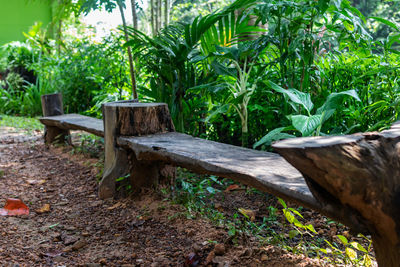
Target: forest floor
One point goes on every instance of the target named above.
(69, 225)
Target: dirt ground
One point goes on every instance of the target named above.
(79, 229)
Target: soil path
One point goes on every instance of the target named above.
(82, 230)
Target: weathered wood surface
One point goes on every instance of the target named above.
(75, 122)
(130, 118)
(359, 173)
(266, 171)
(116, 162)
(52, 105)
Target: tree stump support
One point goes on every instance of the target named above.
(133, 119)
(52, 105)
(359, 173)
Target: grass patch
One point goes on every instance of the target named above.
(28, 124)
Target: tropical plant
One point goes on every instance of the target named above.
(172, 59)
(235, 65)
(308, 124)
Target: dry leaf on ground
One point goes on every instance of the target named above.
(14, 207)
(44, 208)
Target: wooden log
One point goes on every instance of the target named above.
(359, 173)
(52, 105)
(75, 122)
(132, 119)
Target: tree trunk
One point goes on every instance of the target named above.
(156, 20)
(130, 59)
(153, 29)
(166, 13)
(159, 16)
(52, 105)
(133, 119)
(134, 15)
(359, 172)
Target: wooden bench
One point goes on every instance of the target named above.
(339, 182)
(154, 148)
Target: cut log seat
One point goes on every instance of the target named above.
(75, 122)
(266, 171)
(359, 173)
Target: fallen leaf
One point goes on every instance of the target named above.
(44, 208)
(232, 187)
(14, 207)
(79, 244)
(117, 205)
(250, 214)
(33, 182)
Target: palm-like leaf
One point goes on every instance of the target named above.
(171, 57)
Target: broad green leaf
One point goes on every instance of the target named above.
(387, 22)
(311, 228)
(358, 246)
(306, 125)
(274, 135)
(393, 39)
(343, 239)
(333, 102)
(282, 202)
(296, 212)
(289, 216)
(223, 70)
(220, 110)
(323, 250)
(295, 96)
(211, 190)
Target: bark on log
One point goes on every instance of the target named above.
(359, 173)
(52, 105)
(132, 119)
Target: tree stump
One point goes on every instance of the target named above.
(52, 105)
(360, 173)
(132, 119)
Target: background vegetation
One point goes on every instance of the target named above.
(247, 73)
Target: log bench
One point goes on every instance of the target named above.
(140, 139)
(353, 179)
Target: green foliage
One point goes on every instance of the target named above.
(85, 79)
(351, 252)
(172, 62)
(28, 124)
(308, 124)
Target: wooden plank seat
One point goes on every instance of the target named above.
(265, 171)
(75, 122)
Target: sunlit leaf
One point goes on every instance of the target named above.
(306, 124)
(358, 246)
(351, 253)
(343, 239)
